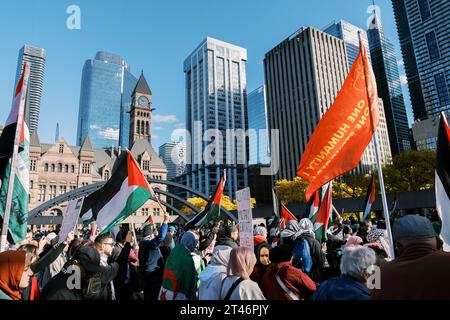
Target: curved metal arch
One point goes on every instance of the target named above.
(190, 190)
(87, 190)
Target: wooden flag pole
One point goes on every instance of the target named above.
(9, 194)
(377, 156)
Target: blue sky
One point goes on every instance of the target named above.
(155, 36)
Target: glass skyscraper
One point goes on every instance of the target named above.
(385, 68)
(257, 121)
(424, 32)
(36, 57)
(105, 97)
(349, 33)
(216, 98)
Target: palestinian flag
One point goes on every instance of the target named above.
(125, 192)
(323, 218)
(316, 200)
(179, 279)
(285, 216)
(18, 217)
(212, 209)
(442, 178)
(370, 198)
(7, 138)
(147, 222)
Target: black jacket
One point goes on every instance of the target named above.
(317, 255)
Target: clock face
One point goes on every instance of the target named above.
(143, 101)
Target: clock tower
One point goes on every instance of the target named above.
(140, 113)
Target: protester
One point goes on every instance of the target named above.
(364, 229)
(180, 273)
(229, 237)
(420, 270)
(168, 242)
(238, 285)
(283, 281)
(15, 273)
(351, 285)
(151, 265)
(211, 278)
(262, 262)
(85, 263)
(307, 251)
(259, 235)
(347, 232)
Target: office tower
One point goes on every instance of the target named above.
(385, 68)
(303, 76)
(257, 126)
(105, 98)
(424, 31)
(36, 57)
(173, 154)
(216, 96)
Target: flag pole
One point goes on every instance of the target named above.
(20, 115)
(377, 156)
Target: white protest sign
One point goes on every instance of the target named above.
(70, 218)
(245, 218)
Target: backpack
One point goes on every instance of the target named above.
(302, 255)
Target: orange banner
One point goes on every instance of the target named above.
(345, 130)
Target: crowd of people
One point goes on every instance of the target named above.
(207, 263)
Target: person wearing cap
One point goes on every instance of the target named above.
(283, 281)
(419, 271)
(229, 237)
(151, 264)
(168, 242)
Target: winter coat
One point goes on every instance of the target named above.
(294, 279)
(343, 287)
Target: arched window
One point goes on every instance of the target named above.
(66, 168)
(46, 167)
(53, 167)
(138, 127)
(143, 127)
(59, 167)
(147, 129)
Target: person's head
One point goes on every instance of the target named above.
(15, 272)
(354, 241)
(260, 231)
(221, 255)
(356, 261)
(29, 236)
(242, 262)
(262, 254)
(381, 224)
(190, 240)
(31, 249)
(232, 232)
(347, 230)
(412, 230)
(104, 244)
(281, 253)
(149, 231)
(87, 258)
(365, 226)
(172, 230)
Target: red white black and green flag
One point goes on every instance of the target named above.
(125, 192)
(212, 209)
(323, 218)
(442, 178)
(370, 198)
(285, 216)
(18, 217)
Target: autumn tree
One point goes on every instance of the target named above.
(201, 203)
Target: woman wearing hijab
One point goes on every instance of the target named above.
(211, 278)
(238, 285)
(262, 262)
(294, 234)
(15, 273)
